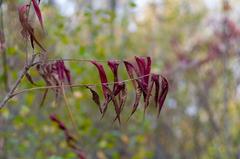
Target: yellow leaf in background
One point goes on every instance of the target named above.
(24, 110)
(5, 113)
(77, 94)
(63, 144)
(101, 155)
(125, 139)
(48, 129)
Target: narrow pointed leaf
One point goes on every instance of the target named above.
(29, 78)
(149, 91)
(144, 66)
(155, 79)
(122, 99)
(130, 70)
(43, 98)
(38, 11)
(163, 94)
(95, 98)
(112, 98)
(137, 100)
(60, 124)
(103, 77)
(113, 64)
(27, 28)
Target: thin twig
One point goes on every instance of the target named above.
(18, 81)
(73, 85)
(81, 60)
(70, 114)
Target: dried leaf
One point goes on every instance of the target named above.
(163, 93)
(112, 98)
(113, 64)
(130, 70)
(29, 78)
(149, 91)
(137, 100)
(60, 124)
(155, 79)
(122, 98)
(103, 77)
(38, 11)
(44, 97)
(144, 66)
(28, 30)
(70, 139)
(95, 98)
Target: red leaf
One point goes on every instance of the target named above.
(120, 89)
(103, 77)
(38, 12)
(27, 31)
(29, 78)
(137, 84)
(62, 71)
(71, 141)
(113, 64)
(44, 97)
(155, 79)
(130, 70)
(112, 98)
(137, 100)
(95, 98)
(61, 125)
(144, 66)
(22, 10)
(68, 75)
(122, 98)
(149, 91)
(163, 93)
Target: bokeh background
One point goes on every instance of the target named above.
(194, 43)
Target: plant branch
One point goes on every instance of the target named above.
(74, 85)
(18, 81)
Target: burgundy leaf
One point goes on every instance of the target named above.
(149, 91)
(103, 77)
(113, 64)
(141, 64)
(137, 84)
(119, 89)
(80, 154)
(27, 31)
(68, 75)
(137, 100)
(38, 12)
(32, 41)
(29, 78)
(22, 10)
(163, 94)
(155, 79)
(71, 141)
(144, 66)
(95, 98)
(60, 124)
(130, 70)
(122, 98)
(60, 70)
(112, 98)
(44, 97)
